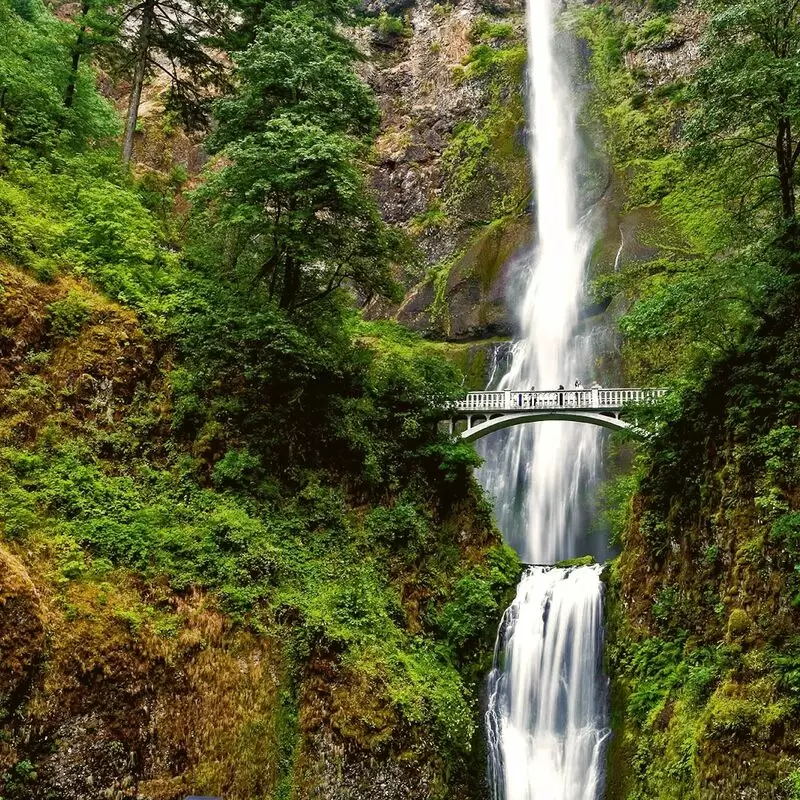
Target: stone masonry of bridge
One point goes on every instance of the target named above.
(486, 412)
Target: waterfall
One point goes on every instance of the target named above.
(546, 704)
(546, 717)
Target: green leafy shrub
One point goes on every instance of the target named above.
(66, 317)
(401, 525)
(237, 468)
(18, 780)
(653, 30)
(473, 606)
(388, 25)
(793, 784)
(484, 30)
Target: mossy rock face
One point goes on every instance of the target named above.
(479, 282)
(64, 347)
(466, 301)
(702, 637)
(580, 561)
(22, 630)
(739, 623)
(474, 359)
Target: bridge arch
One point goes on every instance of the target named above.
(475, 432)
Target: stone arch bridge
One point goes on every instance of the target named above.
(486, 412)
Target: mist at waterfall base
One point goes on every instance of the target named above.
(546, 714)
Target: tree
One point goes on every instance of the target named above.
(290, 200)
(748, 104)
(253, 16)
(96, 24)
(34, 73)
(177, 38)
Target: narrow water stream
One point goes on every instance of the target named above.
(547, 716)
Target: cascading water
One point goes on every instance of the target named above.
(546, 719)
(546, 711)
(538, 489)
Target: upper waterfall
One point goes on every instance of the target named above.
(543, 488)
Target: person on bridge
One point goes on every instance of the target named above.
(560, 394)
(532, 398)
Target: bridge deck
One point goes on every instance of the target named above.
(598, 400)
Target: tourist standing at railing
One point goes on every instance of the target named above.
(532, 398)
(560, 394)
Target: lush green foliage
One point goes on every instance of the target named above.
(34, 73)
(290, 208)
(65, 203)
(264, 446)
(718, 265)
(305, 555)
(702, 601)
(705, 660)
(748, 109)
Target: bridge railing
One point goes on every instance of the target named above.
(511, 401)
(483, 401)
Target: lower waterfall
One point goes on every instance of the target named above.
(547, 696)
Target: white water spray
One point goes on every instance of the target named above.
(546, 716)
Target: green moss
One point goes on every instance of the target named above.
(439, 278)
(471, 359)
(482, 258)
(636, 123)
(485, 162)
(432, 219)
(652, 31)
(581, 561)
(67, 316)
(739, 623)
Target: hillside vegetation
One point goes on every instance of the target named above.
(236, 557)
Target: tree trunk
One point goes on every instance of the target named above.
(785, 170)
(77, 51)
(291, 284)
(139, 73)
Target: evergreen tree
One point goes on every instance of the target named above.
(291, 202)
(178, 39)
(96, 25)
(253, 16)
